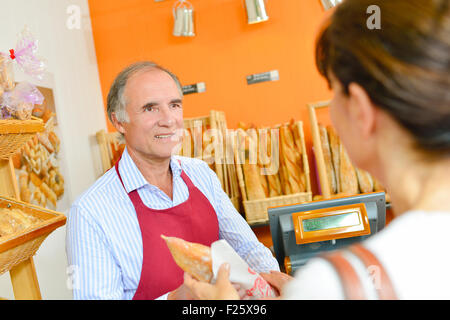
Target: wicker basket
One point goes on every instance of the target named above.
(14, 134)
(256, 210)
(18, 247)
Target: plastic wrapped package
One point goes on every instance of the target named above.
(20, 102)
(6, 73)
(14, 220)
(25, 55)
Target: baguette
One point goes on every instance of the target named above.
(334, 147)
(264, 161)
(25, 193)
(252, 176)
(35, 179)
(347, 173)
(56, 182)
(37, 196)
(17, 159)
(285, 187)
(49, 193)
(290, 160)
(377, 185)
(253, 183)
(364, 180)
(273, 180)
(296, 128)
(274, 184)
(328, 159)
(264, 182)
(43, 139)
(193, 258)
(54, 140)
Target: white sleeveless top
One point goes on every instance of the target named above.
(414, 249)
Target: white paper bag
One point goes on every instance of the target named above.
(240, 272)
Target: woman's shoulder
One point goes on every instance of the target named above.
(413, 249)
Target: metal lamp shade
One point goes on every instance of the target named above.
(256, 11)
(328, 4)
(184, 20)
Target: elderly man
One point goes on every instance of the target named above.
(113, 231)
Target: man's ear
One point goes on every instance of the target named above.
(117, 124)
(361, 110)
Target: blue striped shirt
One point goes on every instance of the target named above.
(104, 242)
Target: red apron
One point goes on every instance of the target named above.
(193, 220)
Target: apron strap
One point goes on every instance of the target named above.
(351, 283)
(117, 171)
(384, 288)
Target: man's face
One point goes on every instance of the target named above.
(154, 107)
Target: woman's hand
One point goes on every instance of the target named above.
(277, 280)
(223, 289)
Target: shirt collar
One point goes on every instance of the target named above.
(131, 176)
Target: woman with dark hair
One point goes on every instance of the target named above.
(391, 108)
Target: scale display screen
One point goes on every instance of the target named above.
(330, 222)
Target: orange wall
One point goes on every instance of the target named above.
(224, 51)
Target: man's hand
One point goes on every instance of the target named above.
(223, 289)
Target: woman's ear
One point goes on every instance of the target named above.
(361, 110)
(117, 124)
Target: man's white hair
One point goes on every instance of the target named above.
(116, 101)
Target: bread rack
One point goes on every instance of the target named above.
(17, 250)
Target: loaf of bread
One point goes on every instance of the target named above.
(54, 140)
(25, 193)
(365, 181)
(347, 174)
(267, 164)
(326, 150)
(253, 185)
(273, 178)
(49, 193)
(335, 154)
(43, 139)
(297, 130)
(17, 159)
(14, 220)
(251, 170)
(193, 258)
(290, 161)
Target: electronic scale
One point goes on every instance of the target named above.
(300, 232)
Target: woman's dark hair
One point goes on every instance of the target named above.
(404, 66)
